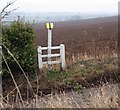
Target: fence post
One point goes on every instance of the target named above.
(40, 57)
(49, 47)
(62, 55)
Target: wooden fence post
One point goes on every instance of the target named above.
(62, 55)
(40, 57)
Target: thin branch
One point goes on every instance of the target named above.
(4, 13)
(13, 78)
(19, 67)
(8, 4)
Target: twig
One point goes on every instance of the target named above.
(12, 91)
(19, 67)
(12, 78)
(7, 13)
(4, 13)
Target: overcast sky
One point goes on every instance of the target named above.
(93, 6)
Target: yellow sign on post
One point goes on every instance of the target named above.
(49, 26)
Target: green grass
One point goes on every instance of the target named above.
(89, 70)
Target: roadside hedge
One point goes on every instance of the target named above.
(18, 38)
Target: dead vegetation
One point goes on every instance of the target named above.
(91, 64)
(105, 96)
(84, 39)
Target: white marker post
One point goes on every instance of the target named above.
(62, 54)
(49, 55)
(49, 26)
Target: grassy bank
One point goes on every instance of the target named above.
(77, 77)
(81, 74)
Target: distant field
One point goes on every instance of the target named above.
(84, 39)
(103, 28)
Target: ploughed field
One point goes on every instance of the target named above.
(83, 39)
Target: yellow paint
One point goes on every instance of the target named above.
(49, 25)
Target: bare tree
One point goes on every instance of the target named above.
(4, 12)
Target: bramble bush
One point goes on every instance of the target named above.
(18, 38)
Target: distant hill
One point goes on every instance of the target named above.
(53, 16)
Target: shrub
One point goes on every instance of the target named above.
(18, 38)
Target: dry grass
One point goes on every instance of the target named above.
(105, 96)
(87, 39)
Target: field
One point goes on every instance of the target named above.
(84, 39)
(91, 68)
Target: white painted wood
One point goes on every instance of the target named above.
(40, 57)
(49, 38)
(44, 48)
(49, 55)
(52, 55)
(54, 47)
(62, 54)
(49, 47)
